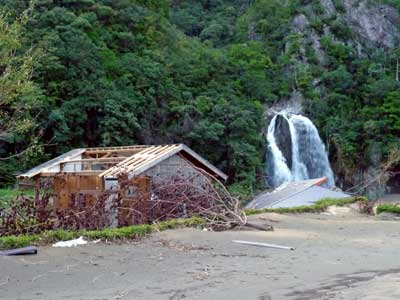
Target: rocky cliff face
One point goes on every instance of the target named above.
(375, 25)
(363, 26)
(371, 25)
(331, 60)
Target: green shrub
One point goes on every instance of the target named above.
(317, 25)
(51, 236)
(12, 241)
(388, 208)
(341, 30)
(8, 194)
(128, 232)
(177, 223)
(339, 6)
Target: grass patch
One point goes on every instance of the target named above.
(7, 194)
(114, 234)
(388, 208)
(317, 207)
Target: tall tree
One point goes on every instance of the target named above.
(19, 96)
(17, 90)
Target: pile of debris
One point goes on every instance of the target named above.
(129, 204)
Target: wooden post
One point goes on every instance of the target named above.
(37, 190)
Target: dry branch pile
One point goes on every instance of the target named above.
(177, 197)
(384, 172)
(180, 197)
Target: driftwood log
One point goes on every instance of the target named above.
(258, 225)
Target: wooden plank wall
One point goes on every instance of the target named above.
(135, 194)
(68, 184)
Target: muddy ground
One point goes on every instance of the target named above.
(336, 257)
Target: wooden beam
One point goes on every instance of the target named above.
(37, 190)
(107, 155)
(83, 173)
(100, 160)
(144, 160)
(116, 150)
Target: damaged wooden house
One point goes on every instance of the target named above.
(91, 172)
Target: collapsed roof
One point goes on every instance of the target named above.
(111, 161)
(298, 193)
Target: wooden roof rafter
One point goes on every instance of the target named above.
(100, 160)
(133, 159)
(148, 158)
(116, 150)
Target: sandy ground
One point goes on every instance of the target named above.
(336, 257)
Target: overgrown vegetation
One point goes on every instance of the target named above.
(388, 208)
(10, 193)
(7, 195)
(110, 234)
(317, 207)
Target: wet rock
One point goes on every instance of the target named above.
(283, 139)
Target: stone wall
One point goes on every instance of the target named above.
(174, 166)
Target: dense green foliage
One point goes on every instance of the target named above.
(7, 195)
(200, 72)
(19, 96)
(352, 97)
(388, 208)
(119, 73)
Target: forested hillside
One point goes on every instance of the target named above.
(204, 73)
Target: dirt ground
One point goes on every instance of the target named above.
(336, 257)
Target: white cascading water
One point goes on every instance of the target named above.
(308, 154)
(281, 171)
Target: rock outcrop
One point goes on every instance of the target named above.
(369, 26)
(376, 25)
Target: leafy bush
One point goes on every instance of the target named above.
(9, 194)
(341, 30)
(339, 5)
(388, 208)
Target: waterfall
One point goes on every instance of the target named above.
(280, 170)
(295, 151)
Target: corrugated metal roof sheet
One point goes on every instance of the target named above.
(309, 196)
(296, 193)
(51, 163)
